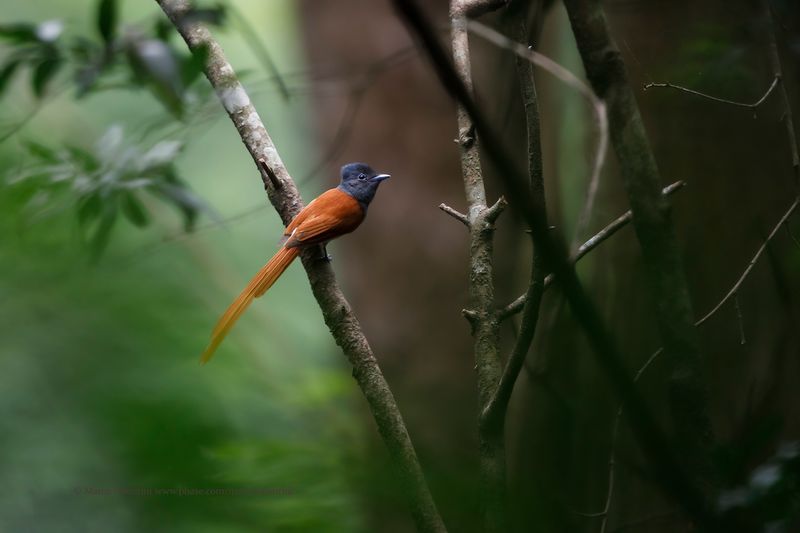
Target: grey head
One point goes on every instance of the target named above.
(361, 182)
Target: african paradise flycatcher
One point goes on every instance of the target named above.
(332, 214)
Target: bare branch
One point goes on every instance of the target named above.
(776, 64)
(649, 434)
(461, 217)
(664, 270)
(618, 224)
(754, 105)
(612, 461)
(595, 241)
(598, 107)
(336, 311)
(732, 292)
(496, 210)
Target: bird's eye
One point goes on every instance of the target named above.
(362, 176)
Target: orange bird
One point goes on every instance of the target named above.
(332, 214)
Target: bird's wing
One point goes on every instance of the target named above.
(314, 230)
(330, 215)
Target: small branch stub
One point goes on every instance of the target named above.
(471, 315)
(466, 137)
(461, 217)
(273, 179)
(492, 213)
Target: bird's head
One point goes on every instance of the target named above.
(361, 182)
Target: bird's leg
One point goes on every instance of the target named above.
(323, 250)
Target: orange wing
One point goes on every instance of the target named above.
(330, 215)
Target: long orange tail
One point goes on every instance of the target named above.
(260, 283)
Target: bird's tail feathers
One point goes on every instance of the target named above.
(260, 284)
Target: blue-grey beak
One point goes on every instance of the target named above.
(380, 177)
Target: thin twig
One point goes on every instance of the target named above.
(612, 456)
(593, 242)
(461, 217)
(775, 59)
(754, 105)
(598, 107)
(750, 265)
(253, 39)
(655, 233)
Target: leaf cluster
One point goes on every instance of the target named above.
(131, 59)
(107, 182)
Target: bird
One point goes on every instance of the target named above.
(334, 213)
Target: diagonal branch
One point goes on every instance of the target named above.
(670, 474)
(784, 221)
(735, 288)
(336, 311)
(595, 241)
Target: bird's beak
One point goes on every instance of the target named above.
(380, 177)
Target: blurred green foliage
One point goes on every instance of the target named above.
(101, 388)
(104, 182)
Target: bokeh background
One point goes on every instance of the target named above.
(99, 381)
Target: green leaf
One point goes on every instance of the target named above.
(89, 208)
(7, 73)
(163, 29)
(43, 73)
(102, 235)
(192, 65)
(134, 210)
(110, 143)
(107, 19)
(185, 200)
(41, 151)
(160, 155)
(154, 64)
(85, 159)
(20, 32)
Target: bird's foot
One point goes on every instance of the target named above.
(324, 255)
